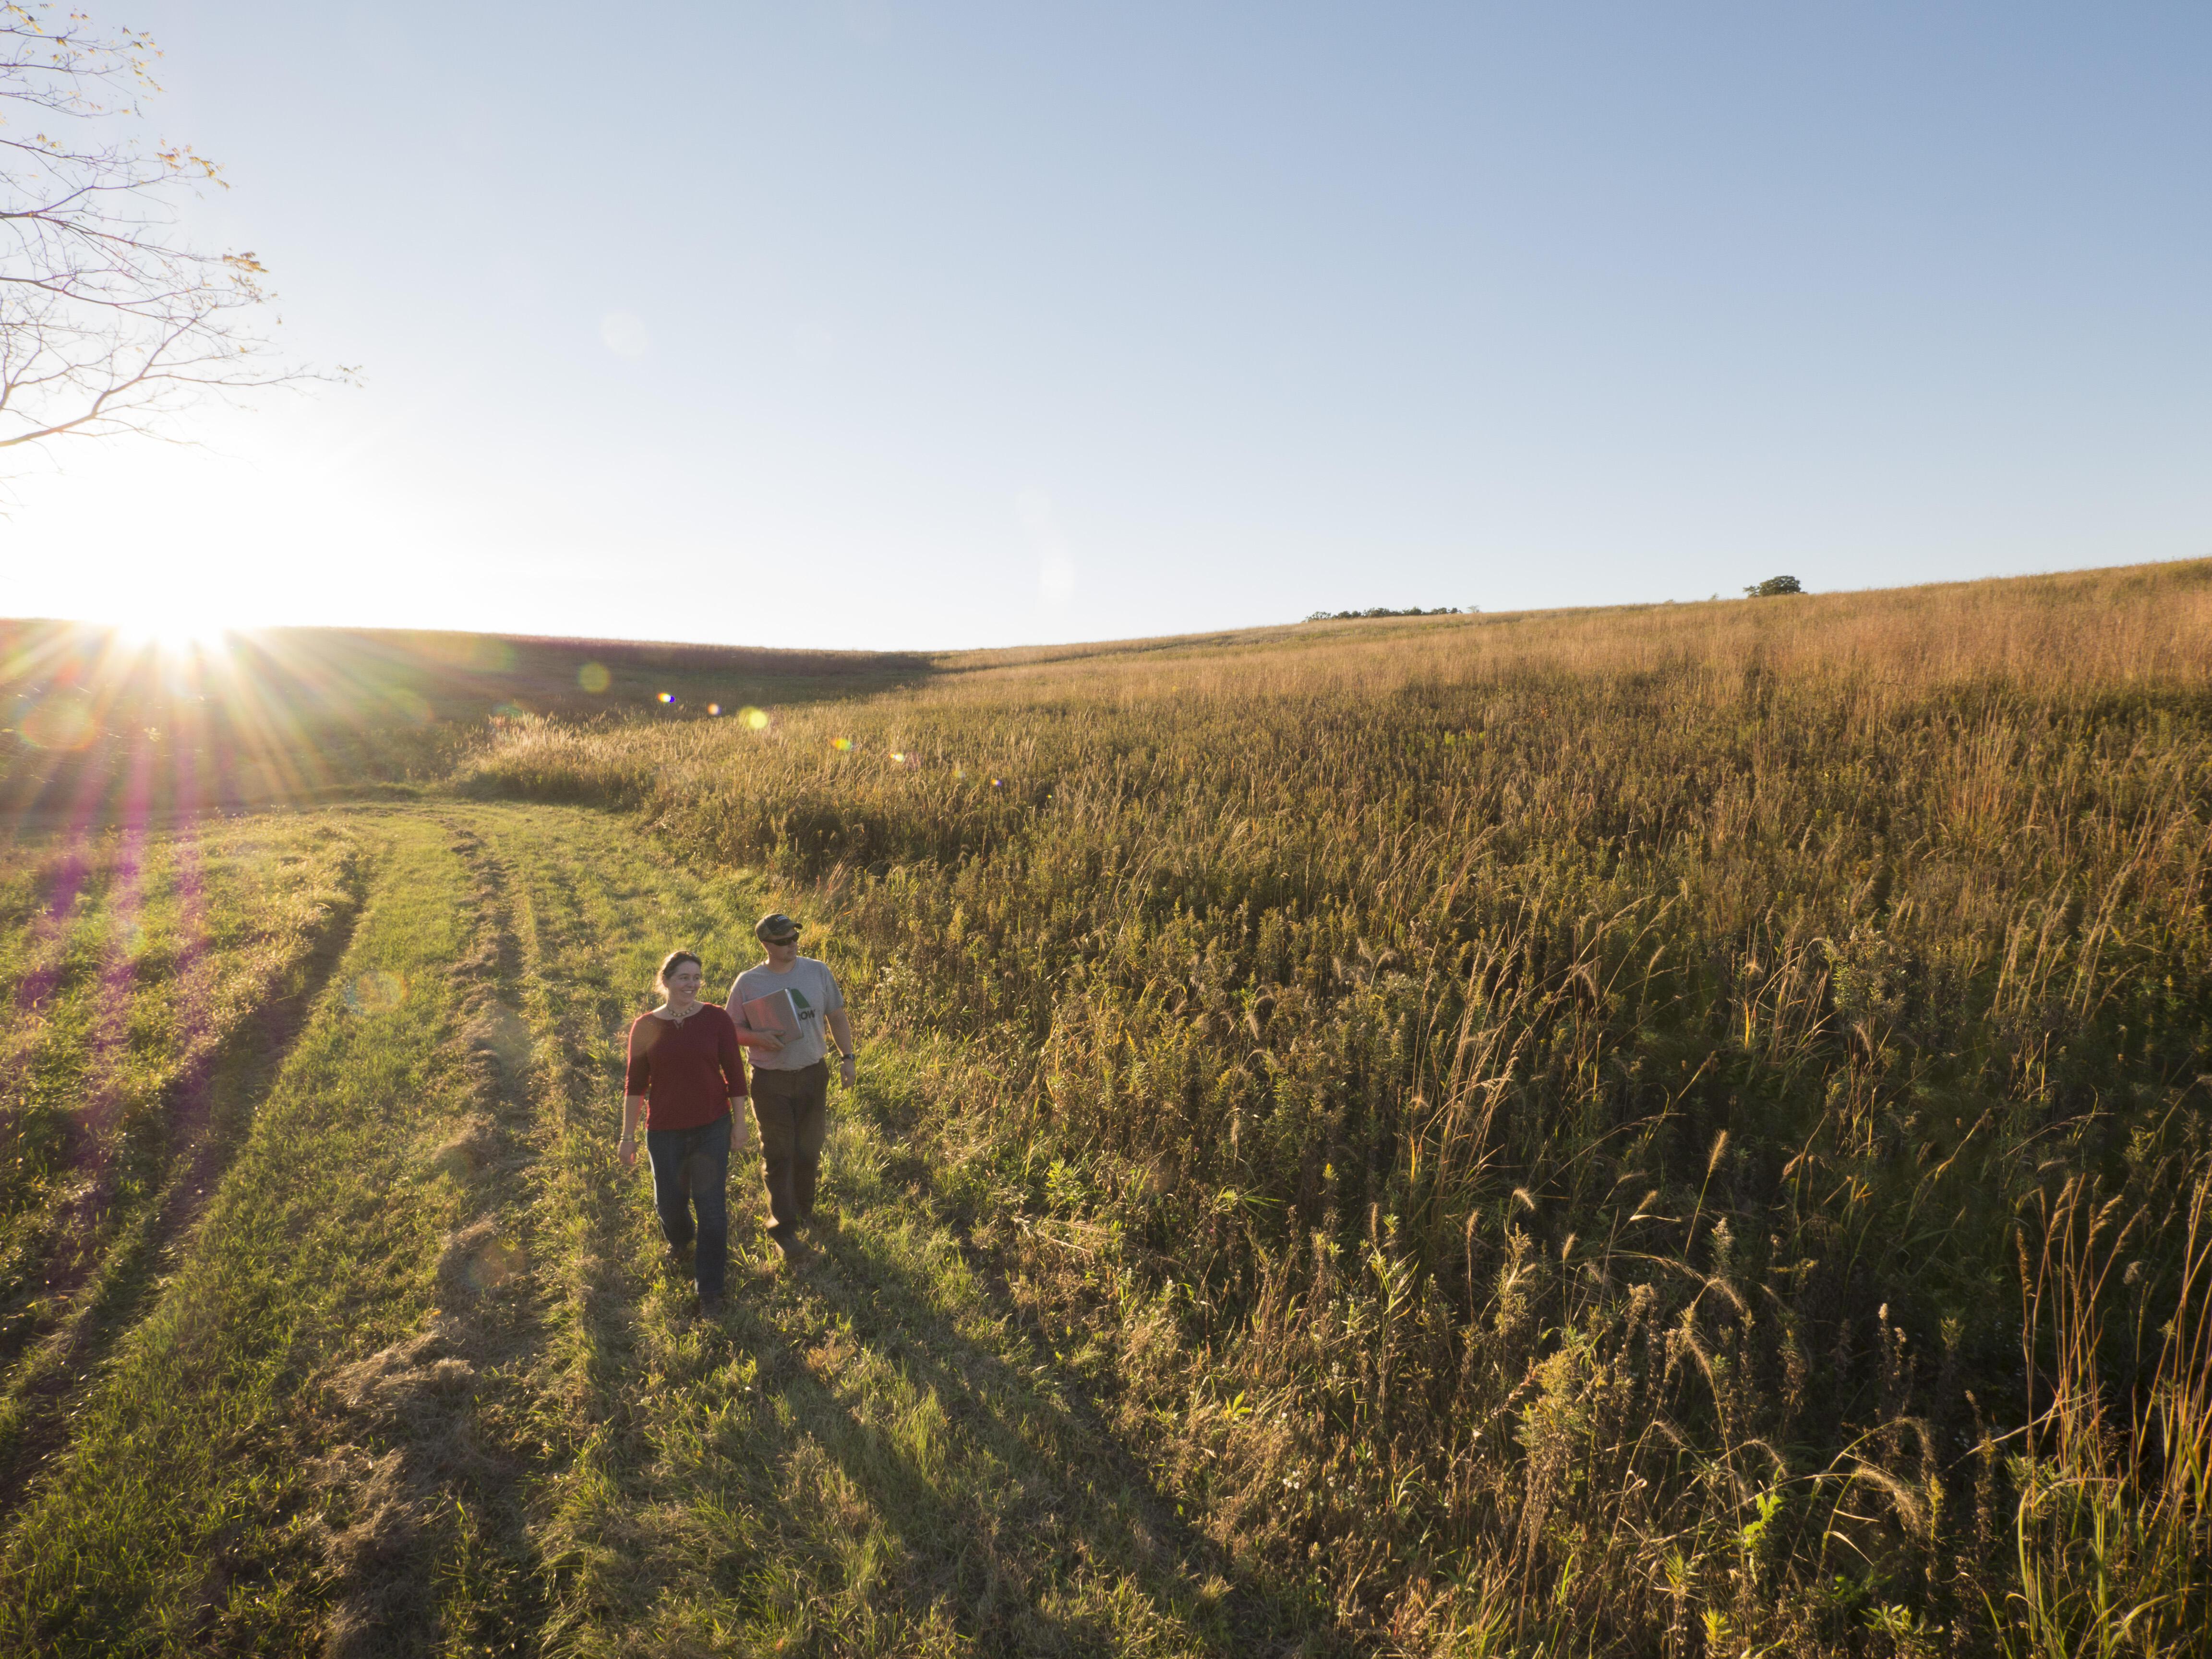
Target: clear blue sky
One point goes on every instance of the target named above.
(885, 325)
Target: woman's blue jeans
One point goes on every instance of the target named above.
(691, 1173)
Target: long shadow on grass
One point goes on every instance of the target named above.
(1065, 1510)
(464, 1465)
(207, 1113)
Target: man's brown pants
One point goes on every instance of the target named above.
(791, 1108)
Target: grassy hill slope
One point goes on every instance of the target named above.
(1677, 1130)
(1564, 1100)
(98, 724)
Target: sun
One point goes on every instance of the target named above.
(170, 630)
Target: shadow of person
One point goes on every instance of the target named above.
(907, 1433)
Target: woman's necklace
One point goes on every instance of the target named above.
(670, 1013)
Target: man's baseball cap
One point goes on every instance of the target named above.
(775, 929)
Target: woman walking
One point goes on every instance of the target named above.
(686, 1081)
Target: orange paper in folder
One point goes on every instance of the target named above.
(776, 1012)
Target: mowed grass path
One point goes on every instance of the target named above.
(422, 1382)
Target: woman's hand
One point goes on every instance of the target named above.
(626, 1149)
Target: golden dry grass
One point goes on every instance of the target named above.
(1538, 1109)
(2137, 625)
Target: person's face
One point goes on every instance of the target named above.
(684, 982)
(782, 952)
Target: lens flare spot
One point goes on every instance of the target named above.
(897, 758)
(593, 678)
(495, 1265)
(376, 992)
(842, 745)
(503, 1033)
(994, 783)
(755, 717)
(668, 697)
(959, 771)
(59, 723)
(713, 709)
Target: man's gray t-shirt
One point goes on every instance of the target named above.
(814, 992)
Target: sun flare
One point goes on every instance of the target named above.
(171, 631)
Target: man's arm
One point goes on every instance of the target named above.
(841, 1028)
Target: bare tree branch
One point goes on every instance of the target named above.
(108, 321)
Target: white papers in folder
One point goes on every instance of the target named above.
(776, 1012)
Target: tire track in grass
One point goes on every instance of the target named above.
(427, 1538)
(870, 1453)
(568, 996)
(184, 1514)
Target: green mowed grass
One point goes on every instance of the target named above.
(422, 1382)
(145, 980)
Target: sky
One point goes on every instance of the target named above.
(874, 324)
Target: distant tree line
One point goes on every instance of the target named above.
(1382, 611)
(1761, 590)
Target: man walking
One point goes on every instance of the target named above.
(791, 997)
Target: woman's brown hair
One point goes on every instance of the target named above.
(675, 959)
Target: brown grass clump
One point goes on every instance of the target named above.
(1664, 1131)
(412, 1397)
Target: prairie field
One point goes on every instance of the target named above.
(1666, 1131)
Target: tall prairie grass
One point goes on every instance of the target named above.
(1675, 1130)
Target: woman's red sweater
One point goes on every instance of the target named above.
(688, 1071)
